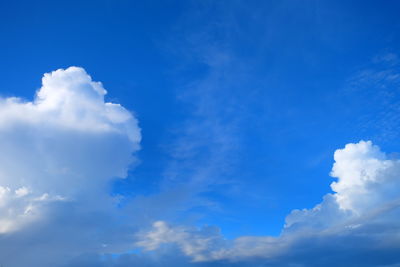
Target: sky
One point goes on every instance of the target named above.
(199, 133)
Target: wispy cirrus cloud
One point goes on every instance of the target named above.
(373, 91)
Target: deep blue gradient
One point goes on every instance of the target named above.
(241, 103)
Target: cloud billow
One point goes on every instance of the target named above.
(58, 155)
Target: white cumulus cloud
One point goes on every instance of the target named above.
(58, 155)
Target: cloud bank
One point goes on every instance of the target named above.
(60, 152)
(356, 225)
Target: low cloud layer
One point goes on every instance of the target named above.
(60, 152)
(356, 225)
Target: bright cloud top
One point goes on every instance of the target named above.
(70, 99)
(65, 145)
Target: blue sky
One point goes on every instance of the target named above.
(240, 107)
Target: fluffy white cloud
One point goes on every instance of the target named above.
(69, 99)
(68, 140)
(58, 155)
(367, 181)
(366, 177)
